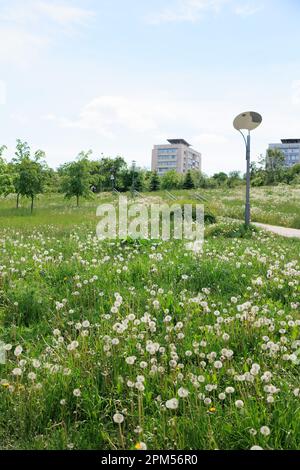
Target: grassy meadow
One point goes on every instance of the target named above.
(278, 205)
(124, 345)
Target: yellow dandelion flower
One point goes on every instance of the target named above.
(140, 446)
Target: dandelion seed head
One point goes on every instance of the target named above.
(118, 418)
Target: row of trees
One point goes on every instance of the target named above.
(27, 175)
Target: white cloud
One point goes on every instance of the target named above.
(194, 10)
(187, 10)
(35, 11)
(27, 27)
(63, 13)
(139, 123)
(248, 9)
(131, 125)
(107, 115)
(159, 116)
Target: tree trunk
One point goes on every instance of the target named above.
(77, 201)
(18, 198)
(32, 199)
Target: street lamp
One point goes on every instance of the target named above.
(247, 121)
(112, 178)
(133, 178)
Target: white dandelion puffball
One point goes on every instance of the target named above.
(239, 404)
(172, 404)
(118, 418)
(32, 376)
(18, 351)
(183, 392)
(36, 364)
(77, 392)
(207, 401)
(218, 365)
(130, 360)
(256, 448)
(265, 431)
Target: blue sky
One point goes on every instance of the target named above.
(118, 76)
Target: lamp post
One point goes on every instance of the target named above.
(133, 178)
(247, 121)
(112, 178)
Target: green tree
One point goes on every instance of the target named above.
(197, 178)
(154, 182)
(98, 178)
(53, 181)
(170, 180)
(124, 181)
(77, 180)
(275, 166)
(116, 167)
(221, 178)
(293, 174)
(234, 179)
(295, 169)
(188, 181)
(32, 176)
(6, 177)
(22, 153)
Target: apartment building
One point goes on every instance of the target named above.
(177, 155)
(291, 150)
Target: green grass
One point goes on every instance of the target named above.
(271, 205)
(179, 314)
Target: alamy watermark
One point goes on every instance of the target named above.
(2, 92)
(2, 353)
(152, 222)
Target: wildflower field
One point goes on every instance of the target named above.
(273, 205)
(124, 345)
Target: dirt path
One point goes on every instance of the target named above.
(283, 231)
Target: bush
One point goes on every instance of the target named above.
(209, 218)
(232, 230)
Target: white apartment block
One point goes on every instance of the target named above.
(177, 155)
(291, 150)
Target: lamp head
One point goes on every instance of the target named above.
(247, 121)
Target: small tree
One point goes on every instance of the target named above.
(22, 153)
(170, 180)
(234, 179)
(188, 181)
(275, 166)
(77, 179)
(154, 182)
(32, 176)
(221, 178)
